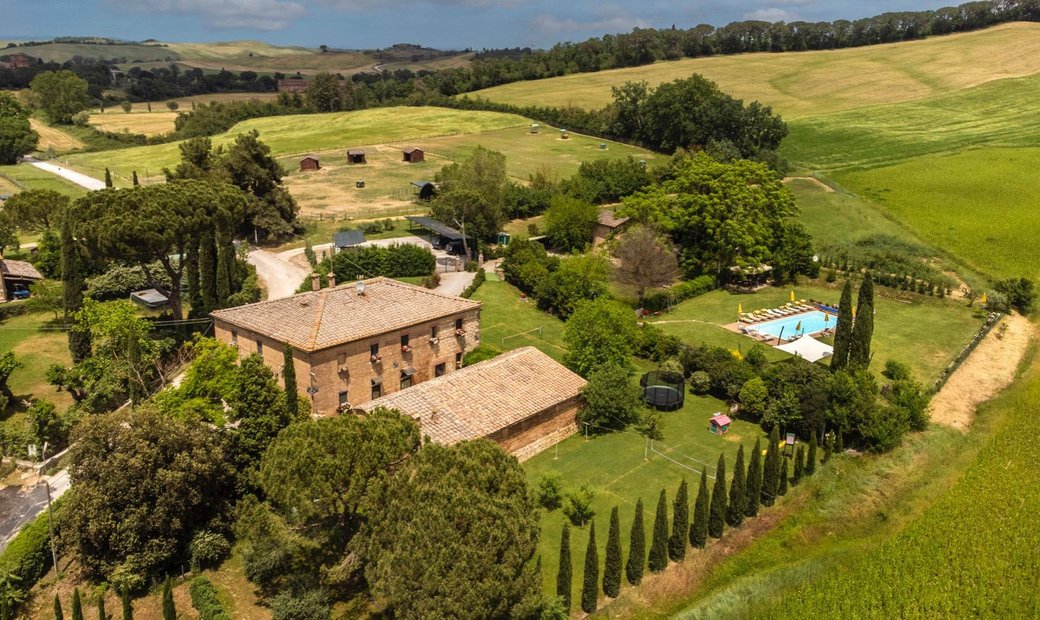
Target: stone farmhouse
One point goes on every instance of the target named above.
(356, 342)
(523, 400)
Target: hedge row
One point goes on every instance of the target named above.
(28, 557)
(660, 300)
(478, 279)
(204, 598)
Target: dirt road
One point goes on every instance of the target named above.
(69, 175)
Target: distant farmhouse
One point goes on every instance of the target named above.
(523, 400)
(293, 85)
(16, 61)
(607, 224)
(356, 342)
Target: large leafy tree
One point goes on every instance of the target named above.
(60, 94)
(720, 215)
(452, 535)
(578, 278)
(143, 483)
(600, 333)
(248, 165)
(646, 261)
(17, 137)
(36, 210)
(472, 197)
(612, 400)
(158, 223)
(325, 93)
(569, 222)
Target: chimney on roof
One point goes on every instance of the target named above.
(315, 281)
(332, 279)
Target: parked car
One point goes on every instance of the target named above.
(20, 291)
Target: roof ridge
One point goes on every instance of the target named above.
(319, 316)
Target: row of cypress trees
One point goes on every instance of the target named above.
(169, 610)
(759, 484)
(853, 334)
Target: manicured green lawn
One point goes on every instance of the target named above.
(507, 322)
(981, 204)
(614, 465)
(32, 177)
(925, 333)
(37, 343)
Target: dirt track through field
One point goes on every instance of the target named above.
(988, 370)
(814, 181)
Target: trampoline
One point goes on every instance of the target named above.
(662, 390)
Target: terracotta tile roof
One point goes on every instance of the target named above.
(607, 218)
(479, 400)
(19, 269)
(318, 320)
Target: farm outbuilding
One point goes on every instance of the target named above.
(310, 162)
(414, 155)
(523, 400)
(719, 424)
(15, 276)
(348, 239)
(427, 190)
(355, 156)
(607, 224)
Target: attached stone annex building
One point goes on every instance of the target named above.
(356, 342)
(524, 400)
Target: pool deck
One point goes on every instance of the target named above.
(743, 328)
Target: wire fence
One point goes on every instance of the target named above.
(944, 375)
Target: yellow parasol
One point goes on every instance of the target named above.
(740, 308)
(982, 299)
(798, 327)
(853, 311)
(792, 294)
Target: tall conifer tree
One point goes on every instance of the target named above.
(783, 477)
(680, 524)
(717, 515)
(564, 583)
(77, 605)
(863, 328)
(771, 471)
(636, 547)
(108, 178)
(58, 613)
(128, 607)
(136, 182)
(101, 613)
(292, 399)
(659, 544)
(208, 271)
(699, 527)
(810, 460)
(590, 583)
(753, 485)
(73, 285)
(737, 501)
(612, 563)
(169, 610)
(799, 464)
(843, 330)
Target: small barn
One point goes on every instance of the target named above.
(347, 239)
(414, 155)
(607, 224)
(17, 276)
(427, 190)
(310, 162)
(719, 424)
(355, 156)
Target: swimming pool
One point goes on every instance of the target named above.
(805, 323)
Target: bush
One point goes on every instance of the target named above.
(579, 505)
(550, 491)
(483, 352)
(27, 557)
(661, 300)
(204, 598)
(478, 279)
(612, 400)
(399, 260)
(208, 548)
(121, 280)
(896, 371)
(311, 605)
(1020, 292)
(700, 382)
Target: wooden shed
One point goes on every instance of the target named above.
(414, 155)
(355, 156)
(719, 424)
(310, 162)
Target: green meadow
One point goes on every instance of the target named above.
(27, 176)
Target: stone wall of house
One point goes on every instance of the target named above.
(536, 433)
(344, 374)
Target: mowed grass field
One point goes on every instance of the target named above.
(37, 343)
(981, 204)
(799, 84)
(147, 123)
(31, 177)
(387, 177)
(304, 133)
(923, 332)
(54, 138)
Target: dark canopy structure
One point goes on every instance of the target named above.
(348, 239)
(435, 227)
(662, 390)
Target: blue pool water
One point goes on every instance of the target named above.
(811, 322)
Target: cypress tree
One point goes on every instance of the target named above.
(843, 330)
(108, 178)
(753, 485)
(863, 328)
(101, 607)
(58, 613)
(636, 547)
(563, 576)
(699, 527)
(191, 274)
(72, 281)
(737, 500)
(292, 399)
(659, 544)
(590, 586)
(128, 608)
(77, 605)
(612, 563)
(208, 272)
(839, 443)
(169, 610)
(225, 265)
(799, 464)
(136, 182)
(771, 470)
(810, 461)
(828, 446)
(680, 524)
(717, 514)
(783, 477)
